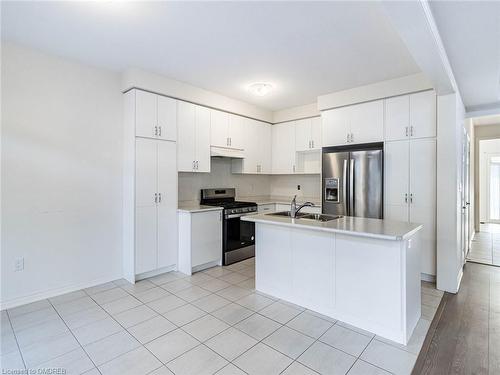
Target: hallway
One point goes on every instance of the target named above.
(485, 247)
(464, 337)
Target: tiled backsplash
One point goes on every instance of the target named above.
(190, 184)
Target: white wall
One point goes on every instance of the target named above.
(295, 113)
(487, 148)
(450, 122)
(61, 175)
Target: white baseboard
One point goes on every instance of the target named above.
(157, 272)
(427, 277)
(9, 304)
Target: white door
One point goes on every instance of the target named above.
(167, 204)
(167, 118)
(396, 180)
(186, 136)
(367, 122)
(283, 148)
(397, 118)
(316, 133)
(145, 114)
(219, 123)
(145, 221)
(335, 126)
(423, 198)
(206, 237)
(202, 139)
(423, 114)
(236, 132)
(303, 135)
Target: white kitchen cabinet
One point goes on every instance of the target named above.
(227, 130)
(256, 141)
(360, 123)
(155, 116)
(283, 148)
(200, 240)
(410, 116)
(193, 139)
(308, 134)
(149, 193)
(410, 191)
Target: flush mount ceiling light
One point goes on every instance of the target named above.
(260, 88)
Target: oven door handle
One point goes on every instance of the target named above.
(234, 216)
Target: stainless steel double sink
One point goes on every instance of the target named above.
(304, 215)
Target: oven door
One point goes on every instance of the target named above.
(239, 239)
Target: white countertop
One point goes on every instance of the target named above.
(196, 207)
(356, 226)
(260, 200)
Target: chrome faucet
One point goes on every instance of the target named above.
(293, 207)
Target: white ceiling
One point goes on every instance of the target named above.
(470, 31)
(305, 49)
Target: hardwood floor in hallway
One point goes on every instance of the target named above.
(485, 246)
(464, 337)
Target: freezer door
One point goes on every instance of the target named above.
(334, 183)
(366, 184)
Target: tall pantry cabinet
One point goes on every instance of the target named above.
(150, 184)
(410, 167)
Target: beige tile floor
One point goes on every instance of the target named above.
(212, 322)
(485, 246)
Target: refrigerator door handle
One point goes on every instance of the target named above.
(344, 187)
(351, 188)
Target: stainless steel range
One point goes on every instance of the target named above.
(238, 237)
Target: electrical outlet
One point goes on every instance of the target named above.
(298, 187)
(19, 264)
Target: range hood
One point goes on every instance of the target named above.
(223, 152)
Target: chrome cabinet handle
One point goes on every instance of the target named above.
(156, 131)
(227, 141)
(406, 131)
(159, 197)
(197, 165)
(312, 143)
(159, 132)
(411, 197)
(294, 168)
(352, 137)
(156, 197)
(347, 137)
(411, 131)
(230, 141)
(406, 197)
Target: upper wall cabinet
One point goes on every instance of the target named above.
(256, 141)
(155, 116)
(410, 116)
(227, 130)
(360, 123)
(193, 140)
(308, 134)
(283, 148)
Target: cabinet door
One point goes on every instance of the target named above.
(397, 118)
(167, 205)
(167, 118)
(265, 150)
(206, 237)
(303, 135)
(219, 124)
(396, 180)
(186, 135)
(316, 133)
(283, 148)
(423, 114)
(252, 146)
(145, 220)
(202, 139)
(423, 198)
(237, 132)
(335, 126)
(145, 114)
(367, 122)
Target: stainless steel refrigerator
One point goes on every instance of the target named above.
(352, 180)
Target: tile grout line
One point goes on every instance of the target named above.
(15, 337)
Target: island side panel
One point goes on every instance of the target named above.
(413, 251)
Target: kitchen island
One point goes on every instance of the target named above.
(365, 272)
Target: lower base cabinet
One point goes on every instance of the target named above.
(200, 240)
